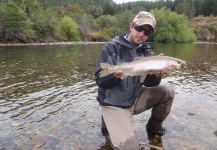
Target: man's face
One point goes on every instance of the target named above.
(137, 35)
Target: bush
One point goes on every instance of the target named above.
(124, 19)
(43, 24)
(105, 21)
(67, 30)
(15, 23)
(109, 33)
(172, 27)
(96, 36)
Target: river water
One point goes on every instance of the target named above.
(47, 98)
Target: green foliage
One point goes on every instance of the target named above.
(85, 23)
(71, 9)
(28, 5)
(15, 22)
(67, 30)
(105, 21)
(108, 9)
(44, 24)
(109, 33)
(42, 20)
(172, 27)
(210, 7)
(95, 10)
(185, 8)
(205, 28)
(124, 18)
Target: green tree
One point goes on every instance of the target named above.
(198, 7)
(95, 11)
(67, 30)
(44, 25)
(210, 7)
(71, 9)
(186, 8)
(124, 18)
(108, 9)
(105, 21)
(28, 5)
(172, 27)
(16, 24)
(85, 23)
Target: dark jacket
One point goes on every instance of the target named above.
(116, 92)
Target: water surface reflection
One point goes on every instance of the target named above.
(47, 98)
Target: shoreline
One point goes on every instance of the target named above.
(73, 43)
(50, 43)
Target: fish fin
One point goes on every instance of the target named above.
(104, 67)
(104, 73)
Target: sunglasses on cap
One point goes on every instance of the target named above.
(140, 29)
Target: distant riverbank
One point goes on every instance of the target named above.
(66, 43)
(49, 43)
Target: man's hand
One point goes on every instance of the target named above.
(118, 74)
(159, 73)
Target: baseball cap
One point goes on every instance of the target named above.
(144, 17)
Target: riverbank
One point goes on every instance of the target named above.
(49, 43)
(70, 43)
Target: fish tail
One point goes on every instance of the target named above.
(105, 71)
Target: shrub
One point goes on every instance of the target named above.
(105, 21)
(15, 23)
(172, 27)
(67, 30)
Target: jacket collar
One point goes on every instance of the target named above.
(122, 40)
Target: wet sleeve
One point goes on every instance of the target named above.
(151, 80)
(109, 81)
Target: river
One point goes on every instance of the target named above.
(47, 98)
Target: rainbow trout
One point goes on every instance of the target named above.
(144, 65)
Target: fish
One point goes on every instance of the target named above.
(144, 65)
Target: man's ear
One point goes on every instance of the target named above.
(131, 25)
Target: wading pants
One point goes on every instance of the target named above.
(119, 121)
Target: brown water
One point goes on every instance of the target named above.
(47, 98)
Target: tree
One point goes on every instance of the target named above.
(16, 24)
(124, 19)
(44, 25)
(108, 9)
(71, 9)
(95, 11)
(185, 8)
(67, 30)
(105, 21)
(198, 7)
(209, 7)
(172, 27)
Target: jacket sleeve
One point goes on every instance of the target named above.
(106, 56)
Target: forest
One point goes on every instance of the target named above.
(30, 21)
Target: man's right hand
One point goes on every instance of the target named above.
(118, 74)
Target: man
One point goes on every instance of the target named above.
(120, 99)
